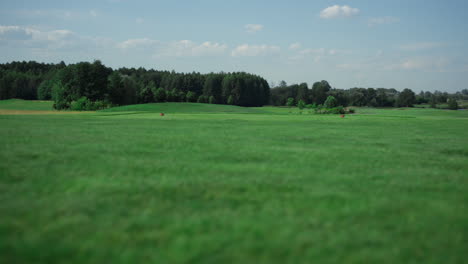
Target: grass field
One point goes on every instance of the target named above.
(225, 184)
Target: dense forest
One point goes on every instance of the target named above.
(87, 85)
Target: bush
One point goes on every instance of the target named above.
(311, 106)
(301, 104)
(191, 97)
(202, 99)
(230, 100)
(331, 102)
(81, 104)
(212, 100)
(84, 104)
(452, 104)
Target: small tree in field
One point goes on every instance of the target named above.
(301, 104)
(290, 102)
(452, 104)
(331, 102)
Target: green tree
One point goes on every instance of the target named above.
(452, 104)
(301, 104)
(406, 98)
(290, 102)
(320, 91)
(191, 97)
(116, 89)
(331, 102)
(212, 100)
(160, 95)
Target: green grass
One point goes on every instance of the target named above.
(18, 104)
(185, 108)
(221, 186)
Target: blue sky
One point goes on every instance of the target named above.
(367, 43)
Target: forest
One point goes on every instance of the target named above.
(90, 86)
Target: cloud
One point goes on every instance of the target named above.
(139, 20)
(60, 14)
(375, 21)
(253, 28)
(33, 37)
(421, 46)
(187, 48)
(337, 11)
(182, 48)
(425, 63)
(254, 50)
(295, 46)
(137, 43)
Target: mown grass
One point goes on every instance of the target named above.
(18, 104)
(382, 186)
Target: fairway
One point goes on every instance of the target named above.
(227, 184)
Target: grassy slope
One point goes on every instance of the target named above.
(384, 186)
(185, 108)
(18, 104)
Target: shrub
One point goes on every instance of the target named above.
(191, 97)
(290, 102)
(212, 100)
(331, 102)
(312, 106)
(301, 104)
(81, 104)
(230, 100)
(202, 99)
(452, 104)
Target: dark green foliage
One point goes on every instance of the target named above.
(202, 99)
(146, 95)
(331, 102)
(212, 100)
(320, 91)
(301, 104)
(290, 102)
(452, 104)
(230, 100)
(190, 97)
(44, 91)
(160, 95)
(406, 98)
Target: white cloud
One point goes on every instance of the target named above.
(295, 46)
(338, 11)
(253, 28)
(137, 43)
(182, 48)
(189, 48)
(425, 63)
(375, 21)
(254, 50)
(421, 46)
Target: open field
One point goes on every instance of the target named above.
(225, 184)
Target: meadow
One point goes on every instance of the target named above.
(226, 184)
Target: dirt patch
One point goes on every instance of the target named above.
(39, 112)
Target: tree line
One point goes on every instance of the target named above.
(284, 94)
(88, 85)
